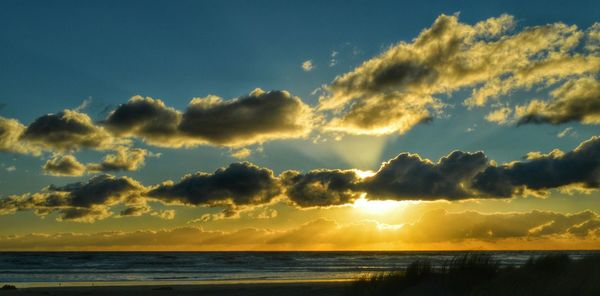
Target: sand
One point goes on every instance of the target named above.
(274, 289)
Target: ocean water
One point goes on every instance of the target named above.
(73, 268)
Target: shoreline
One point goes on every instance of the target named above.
(36, 285)
(207, 289)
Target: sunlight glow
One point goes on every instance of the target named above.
(364, 174)
(376, 207)
(361, 152)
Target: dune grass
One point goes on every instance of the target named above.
(480, 274)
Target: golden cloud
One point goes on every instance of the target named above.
(460, 230)
(396, 90)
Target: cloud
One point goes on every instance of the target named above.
(395, 90)
(165, 215)
(82, 202)
(436, 229)
(244, 186)
(63, 165)
(124, 159)
(585, 229)
(333, 58)
(228, 213)
(576, 100)
(100, 190)
(307, 66)
(135, 211)
(593, 38)
(241, 153)
(142, 209)
(321, 187)
(408, 177)
(10, 133)
(500, 115)
(579, 167)
(86, 103)
(459, 175)
(146, 118)
(439, 225)
(239, 184)
(84, 215)
(567, 131)
(382, 115)
(255, 118)
(67, 131)
(265, 213)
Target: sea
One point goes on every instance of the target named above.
(137, 268)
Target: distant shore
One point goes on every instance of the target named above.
(262, 289)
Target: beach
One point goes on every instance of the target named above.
(263, 289)
(214, 273)
(47, 269)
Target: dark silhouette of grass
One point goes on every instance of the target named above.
(480, 274)
(9, 287)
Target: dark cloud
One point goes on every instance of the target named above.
(321, 187)
(67, 130)
(459, 175)
(255, 118)
(404, 73)
(409, 177)
(580, 167)
(82, 201)
(258, 117)
(63, 165)
(100, 190)
(406, 177)
(135, 211)
(87, 215)
(148, 119)
(251, 119)
(576, 100)
(239, 184)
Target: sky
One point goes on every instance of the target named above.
(299, 125)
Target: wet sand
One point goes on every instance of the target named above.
(271, 289)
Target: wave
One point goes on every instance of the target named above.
(205, 266)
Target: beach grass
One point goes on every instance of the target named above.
(480, 274)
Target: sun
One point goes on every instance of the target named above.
(364, 174)
(376, 207)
